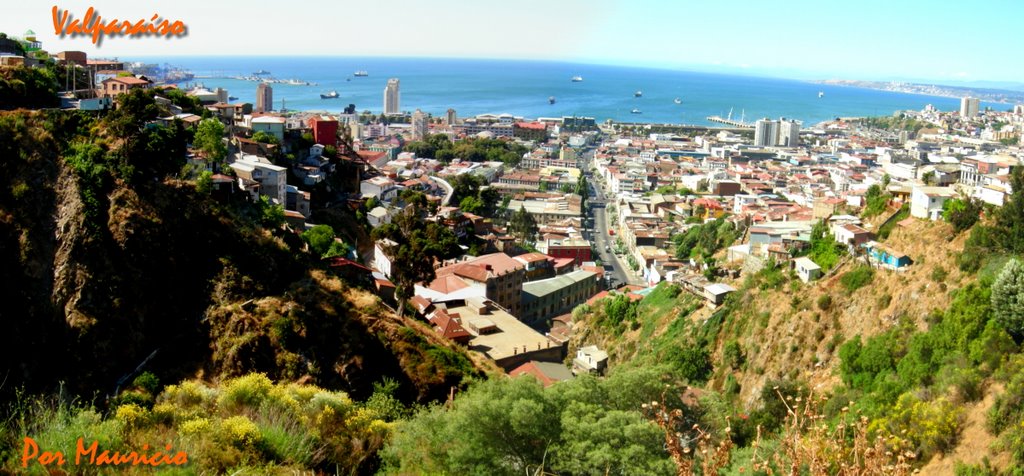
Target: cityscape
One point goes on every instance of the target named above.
(424, 283)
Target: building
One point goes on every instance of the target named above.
(450, 117)
(926, 202)
(766, 132)
(548, 298)
(496, 333)
(119, 85)
(266, 179)
(590, 359)
(391, 97)
(578, 250)
(420, 127)
(789, 133)
(535, 131)
(73, 57)
(495, 276)
(806, 269)
(547, 373)
(264, 98)
(325, 130)
(969, 107)
(272, 125)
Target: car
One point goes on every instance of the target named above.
(607, 249)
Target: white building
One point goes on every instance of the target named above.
(391, 97)
(806, 269)
(926, 202)
(789, 133)
(272, 178)
(766, 132)
(381, 261)
(419, 125)
(969, 107)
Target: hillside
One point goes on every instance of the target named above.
(779, 334)
(109, 263)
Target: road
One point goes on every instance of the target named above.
(613, 266)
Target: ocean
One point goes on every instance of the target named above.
(522, 88)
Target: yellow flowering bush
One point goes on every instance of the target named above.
(132, 416)
(247, 391)
(241, 431)
(930, 426)
(195, 426)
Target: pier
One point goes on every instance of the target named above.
(730, 122)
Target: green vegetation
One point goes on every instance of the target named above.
(704, 240)
(901, 123)
(438, 146)
(523, 226)
(1008, 299)
(322, 242)
(876, 201)
(824, 250)
(244, 425)
(30, 88)
(265, 138)
(857, 278)
(209, 139)
(473, 196)
(515, 426)
(961, 213)
(889, 225)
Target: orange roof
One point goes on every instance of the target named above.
(129, 80)
(447, 284)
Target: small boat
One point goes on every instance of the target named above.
(330, 95)
(635, 111)
(677, 101)
(577, 79)
(638, 93)
(360, 74)
(821, 93)
(348, 79)
(232, 98)
(551, 99)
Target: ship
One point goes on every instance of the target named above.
(821, 93)
(577, 79)
(330, 95)
(638, 93)
(232, 98)
(677, 101)
(360, 73)
(551, 99)
(261, 72)
(635, 111)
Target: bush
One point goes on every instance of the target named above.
(1008, 298)
(857, 278)
(824, 302)
(939, 274)
(931, 427)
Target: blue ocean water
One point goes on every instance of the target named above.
(522, 88)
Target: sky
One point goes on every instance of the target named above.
(941, 41)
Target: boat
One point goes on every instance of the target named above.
(360, 73)
(638, 93)
(677, 101)
(821, 93)
(577, 79)
(330, 95)
(348, 79)
(232, 98)
(261, 72)
(635, 111)
(551, 99)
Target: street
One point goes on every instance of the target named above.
(613, 266)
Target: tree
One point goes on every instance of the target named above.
(583, 190)
(1008, 298)
(1010, 219)
(209, 139)
(320, 238)
(523, 226)
(265, 138)
(929, 177)
(470, 205)
(886, 179)
(204, 182)
(415, 244)
(962, 213)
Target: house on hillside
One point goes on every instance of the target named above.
(926, 202)
(590, 359)
(806, 269)
(883, 256)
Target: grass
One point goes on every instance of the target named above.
(857, 278)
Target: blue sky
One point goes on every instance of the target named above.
(938, 40)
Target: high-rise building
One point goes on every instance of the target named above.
(789, 133)
(969, 107)
(1018, 109)
(450, 117)
(419, 125)
(391, 97)
(766, 132)
(264, 98)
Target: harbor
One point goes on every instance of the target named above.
(729, 121)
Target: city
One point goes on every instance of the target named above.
(378, 288)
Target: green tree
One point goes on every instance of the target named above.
(265, 138)
(1009, 226)
(962, 213)
(209, 139)
(204, 182)
(583, 190)
(523, 226)
(320, 238)
(471, 204)
(1008, 298)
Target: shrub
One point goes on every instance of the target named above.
(930, 427)
(246, 391)
(939, 274)
(1008, 298)
(824, 302)
(857, 278)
